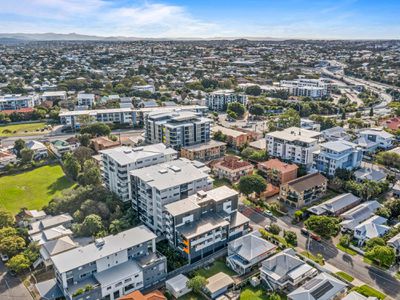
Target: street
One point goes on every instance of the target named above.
(353, 265)
(11, 288)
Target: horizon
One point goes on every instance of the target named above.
(208, 20)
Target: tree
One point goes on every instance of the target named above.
(274, 229)
(71, 166)
(237, 108)
(274, 296)
(91, 225)
(345, 240)
(253, 90)
(323, 225)
(118, 226)
(384, 255)
(19, 263)
(84, 139)
(83, 154)
(96, 129)
(90, 174)
(219, 136)
(257, 110)
(373, 242)
(26, 155)
(252, 184)
(197, 283)
(6, 219)
(19, 145)
(288, 119)
(7, 231)
(290, 237)
(343, 174)
(11, 245)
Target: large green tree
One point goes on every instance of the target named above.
(11, 245)
(71, 166)
(323, 225)
(252, 184)
(6, 218)
(197, 283)
(384, 255)
(19, 263)
(19, 145)
(237, 108)
(91, 174)
(96, 129)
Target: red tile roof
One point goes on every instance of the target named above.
(278, 165)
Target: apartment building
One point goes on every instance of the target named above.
(232, 168)
(178, 129)
(54, 96)
(337, 155)
(204, 152)
(234, 138)
(313, 88)
(204, 222)
(376, 139)
(118, 162)
(110, 267)
(219, 100)
(278, 172)
(86, 100)
(156, 186)
(144, 88)
(18, 101)
(293, 144)
(304, 190)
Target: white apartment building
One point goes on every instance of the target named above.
(314, 88)
(337, 155)
(144, 88)
(18, 101)
(293, 144)
(178, 129)
(155, 186)
(219, 100)
(118, 162)
(54, 96)
(86, 100)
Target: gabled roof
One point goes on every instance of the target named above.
(60, 245)
(306, 182)
(373, 227)
(335, 204)
(218, 282)
(251, 246)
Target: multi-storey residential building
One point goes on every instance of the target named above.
(204, 222)
(337, 155)
(86, 100)
(110, 267)
(178, 129)
(304, 190)
(234, 138)
(54, 96)
(127, 116)
(155, 186)
(16, 102)
(293, 144)
(278, 172)
(219, 100)
(232, 168)
(314, 88)
(118, 162)
(204, 152)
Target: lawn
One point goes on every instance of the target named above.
(368, 291)
(345, 276)
(22, 129)
(32, 189)
(250, 293)
(347, 250)
(309, 255)
(191, 296)
(218, 266)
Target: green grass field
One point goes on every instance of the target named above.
(345, 276)
(22, 129)
(32, 189)
(368, 291)
(347, 250)
(250, 293)
(218, 266)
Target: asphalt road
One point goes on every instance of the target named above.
(352, 265)
(11, 288)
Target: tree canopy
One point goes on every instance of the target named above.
(252, 184)
(323, 225)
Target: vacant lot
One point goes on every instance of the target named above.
(22, 129)
(32, 189)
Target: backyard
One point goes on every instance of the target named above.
(32, 189)
(218, 266)
(22, 129)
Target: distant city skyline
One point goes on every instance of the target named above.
(308, 19)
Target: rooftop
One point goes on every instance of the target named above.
(218, 282)
(278, 165)
(306, 182)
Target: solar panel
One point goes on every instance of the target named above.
(322, 290)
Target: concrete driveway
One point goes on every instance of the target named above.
(11, 288)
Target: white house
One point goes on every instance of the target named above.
(381, 138)
(371, 228)
(38, 148)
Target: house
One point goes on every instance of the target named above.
(336, 155)
(394, 242)
(50, 234)
(304, 190)
(218, 285)
(393, 123)
(285, 270)
(52, 248)
(49, 222)
(60, 147)
(33, 215)
(382, 139)
(103, 143)
(111, 266)
(232, 168)
(321, 287)
(373, 174)
(396, 189)
(38, 148)
(7, 156)
(205, 222)
(357, 296)
(335, 134)
(293, 144)
(177, 286)
(370, 228)
(278, 172)
(246, 252)
(358, 214)
(137, 295)
(335, 206)
(235, 138)
(310, 124)
(204, 152)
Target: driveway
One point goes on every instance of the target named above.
(11, 288)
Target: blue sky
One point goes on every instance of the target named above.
(349, 19)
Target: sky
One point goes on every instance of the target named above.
(315, 19)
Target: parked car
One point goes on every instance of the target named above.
(4, 257)
(315, 237)
(305, 232)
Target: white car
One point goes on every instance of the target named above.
(4, 257)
